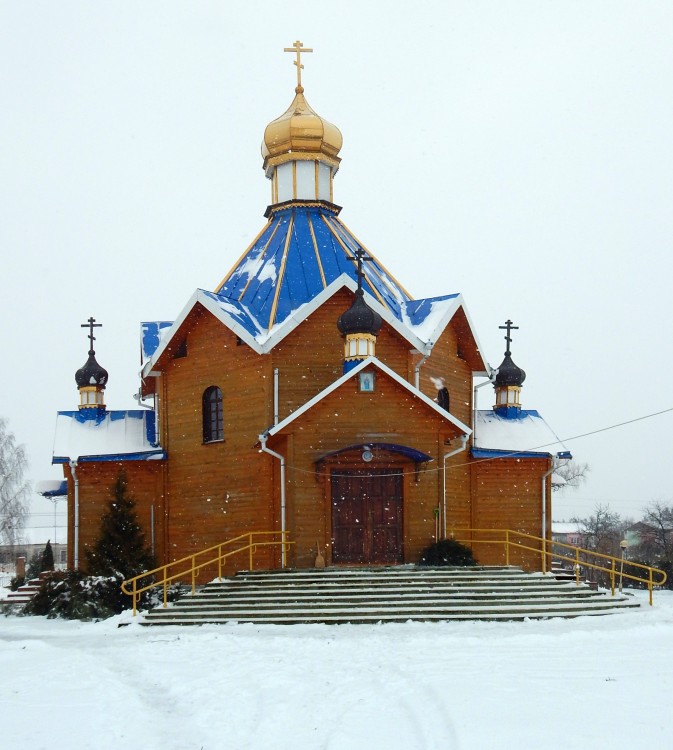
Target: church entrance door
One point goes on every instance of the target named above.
(367, 516)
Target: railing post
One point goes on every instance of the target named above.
(134, 595)
(649, 586)
(577, 566)
(507, 547)
(612, 577)
(219, 563)
(543, 547)
(165, 587)
(250, 550)
(193, 574)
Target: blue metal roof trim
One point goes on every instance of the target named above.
(115, 415)
(416, 456)
(144, 456)
(493, 453)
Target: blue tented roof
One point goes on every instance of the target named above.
(301, 251)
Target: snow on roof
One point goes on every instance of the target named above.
(51, 487)
(114, 435)
(301, 258)
(564, 527)
(527, 433)
(151, 335)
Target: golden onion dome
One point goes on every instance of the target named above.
(301, 130)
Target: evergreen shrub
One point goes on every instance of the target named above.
(447, 552)
(75, 596)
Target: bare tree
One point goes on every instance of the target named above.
(602, 533)
(655, 534)
(573, 473)
(14, 490)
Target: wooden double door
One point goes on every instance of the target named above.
(367, 516)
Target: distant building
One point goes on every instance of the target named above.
(567, 533)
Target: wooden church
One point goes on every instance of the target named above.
(309, 393)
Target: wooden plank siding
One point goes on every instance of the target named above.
(216, 490)
(96, 480)
(508, 495)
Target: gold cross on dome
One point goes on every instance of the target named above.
(298, 48)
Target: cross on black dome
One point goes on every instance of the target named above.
(91, 374)
(508, 372)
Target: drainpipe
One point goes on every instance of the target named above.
(262, 440)
(73, 471)
(417, 371)
(463, 445)
(544, 515)
(275, 396)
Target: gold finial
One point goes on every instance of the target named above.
(298, 48)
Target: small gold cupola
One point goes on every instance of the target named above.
(91, 378)
(508, 381)
(300, 148)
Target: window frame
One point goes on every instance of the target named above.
(212, 415)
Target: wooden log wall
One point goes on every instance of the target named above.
(96, 481)
(508, 495)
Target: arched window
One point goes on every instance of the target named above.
(443, 398)
(213, 420)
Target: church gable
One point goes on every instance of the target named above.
(377, 404)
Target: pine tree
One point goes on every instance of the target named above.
(120, 549)
(47, 562)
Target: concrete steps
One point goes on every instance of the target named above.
(394, 594)
(16, 600)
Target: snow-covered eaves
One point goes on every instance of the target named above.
(369, 362)
(422, 324)
(52, 487)
(524, 436)
(110, 436)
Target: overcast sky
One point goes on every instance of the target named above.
(517, 152)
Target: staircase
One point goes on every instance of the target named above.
(16, 600)
(394, 594)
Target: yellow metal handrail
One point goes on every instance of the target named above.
(192, 564)
(522, 541)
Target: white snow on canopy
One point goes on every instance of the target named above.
(115, 434)
(527, 433)
(51, 487)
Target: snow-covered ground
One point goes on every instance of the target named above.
(602, 682)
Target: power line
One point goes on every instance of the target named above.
(513, 454)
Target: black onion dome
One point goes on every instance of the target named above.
(509, 373)
(360, 318)
(91, 374)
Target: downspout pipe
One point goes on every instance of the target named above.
(463, 445)
(75, 479)
(265, 449)
(275, 396)
(417, 371)
(544, 515)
